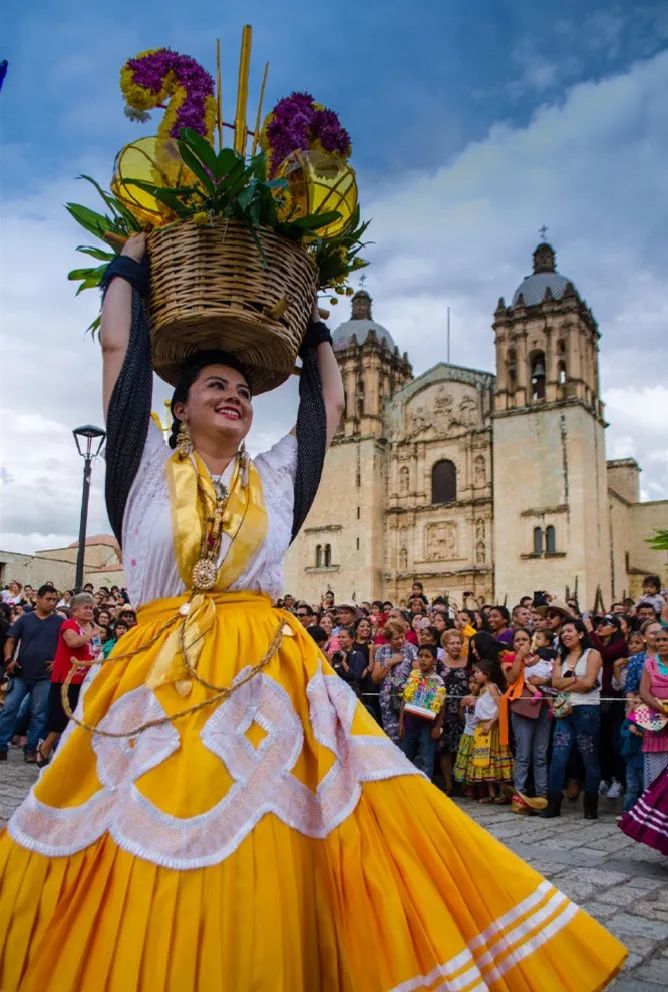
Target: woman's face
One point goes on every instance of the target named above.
(14, 588)
(397, 642)
(662, 644)
(326, 623)
(103, 618)
(439, 622)
(521, 639)
(425, 636)
(570, 636)
(218, 405)
(363, 630)
(417, 622)
(83, 613)
(650, 635)
(120, 629)
(454, 645)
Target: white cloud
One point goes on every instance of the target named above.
(592, 168)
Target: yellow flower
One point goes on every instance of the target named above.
(284, 204)
(201, 217)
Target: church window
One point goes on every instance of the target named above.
(538, 376)
(550, 540)
(358, 543)
(443, 482)
(538, 540)
(511, 364)
(318, 556)
(328, 555)
(561, 373)
(561, 346)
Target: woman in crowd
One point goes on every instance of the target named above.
(609, 640)
(527, 675)
(117, 630)
(428, 634)
(198, 826)
(368, 688)
(13, 594)
(455, 672)
(649, 629)
(654, 693)
(577, 674)
(78, 639)
(393, 662)
(332, 643)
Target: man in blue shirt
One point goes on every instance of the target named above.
(37, 636)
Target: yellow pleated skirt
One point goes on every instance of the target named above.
(272, 841)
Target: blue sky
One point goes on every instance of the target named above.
(472, 125)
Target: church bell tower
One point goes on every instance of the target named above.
(551, 512)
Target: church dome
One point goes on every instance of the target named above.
(544, 277)
(360, 325)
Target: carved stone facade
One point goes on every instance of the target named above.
(471, 482)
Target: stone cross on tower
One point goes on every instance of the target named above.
(543, 232)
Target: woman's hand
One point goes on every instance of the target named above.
(315, 310)
(135, 246)
(394, 659)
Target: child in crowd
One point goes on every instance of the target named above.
(636, 644)
(630, 748)
(421, 712)
(491, 761)
(465, 749)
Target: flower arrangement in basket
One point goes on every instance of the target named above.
(238, 241)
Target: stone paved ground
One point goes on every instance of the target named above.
(621, 883)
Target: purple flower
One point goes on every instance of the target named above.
(150, 71)
(296, 123)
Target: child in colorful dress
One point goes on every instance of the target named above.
(421, 713)
(465, 749)
(490, 760)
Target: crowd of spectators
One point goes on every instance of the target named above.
(505, 706)
(540, 700)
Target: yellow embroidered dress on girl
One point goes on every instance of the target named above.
(268, 839)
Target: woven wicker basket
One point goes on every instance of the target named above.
(211, 288)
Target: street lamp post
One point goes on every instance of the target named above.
(86, 438)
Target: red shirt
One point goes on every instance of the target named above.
(61, 661)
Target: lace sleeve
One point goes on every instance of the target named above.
(280, 462)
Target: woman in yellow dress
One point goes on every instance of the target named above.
(222, 812)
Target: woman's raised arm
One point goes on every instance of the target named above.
(115, 323)
(330, 377)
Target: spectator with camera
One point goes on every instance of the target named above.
(349, 663)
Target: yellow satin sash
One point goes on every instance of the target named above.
(245, 520)
(245, 523)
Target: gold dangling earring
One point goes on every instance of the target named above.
(184, 441)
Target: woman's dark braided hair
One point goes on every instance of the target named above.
(190, 370)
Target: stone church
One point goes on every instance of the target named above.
(495, 485)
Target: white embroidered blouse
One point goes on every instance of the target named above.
(149, 562)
